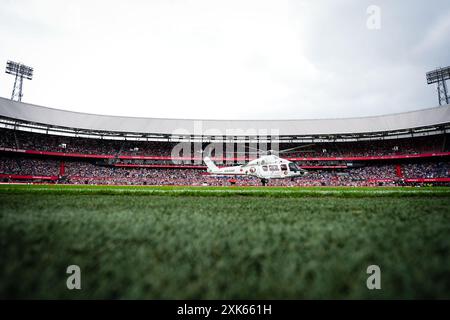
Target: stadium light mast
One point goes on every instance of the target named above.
(440, 76)
(20, 71)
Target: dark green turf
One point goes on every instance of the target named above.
(159, 246)
(281, 192)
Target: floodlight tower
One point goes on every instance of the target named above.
(20, 71)
(440, 76)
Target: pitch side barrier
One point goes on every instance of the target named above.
(27, 177)
(168, 158)
(90, 178)
(411, 180)
(426, 180)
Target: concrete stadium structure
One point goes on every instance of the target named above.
(29, 117)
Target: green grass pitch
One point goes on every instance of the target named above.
(217, 243)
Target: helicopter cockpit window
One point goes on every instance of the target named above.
(283, 167)
(273, 168)
(264, 168)
(293, 167)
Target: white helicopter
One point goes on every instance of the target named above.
(267, 167)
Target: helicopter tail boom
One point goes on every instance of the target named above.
(211, 165)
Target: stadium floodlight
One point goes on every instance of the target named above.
(440, 76)
(20, 71)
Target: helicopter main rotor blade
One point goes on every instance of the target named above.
(296, 148)
(256, 150)
(253, 148)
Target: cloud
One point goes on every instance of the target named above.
(436, 37)
(225, 59)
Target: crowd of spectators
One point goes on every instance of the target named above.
(371, 148)
(44, 142)
(85, 172)
(427, 170)
(28, 166)
(88, 172)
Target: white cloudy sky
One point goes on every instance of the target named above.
(234, 59)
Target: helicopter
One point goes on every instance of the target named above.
(266, 167)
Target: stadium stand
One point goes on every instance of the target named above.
(52, 143)
(412, 151)
(85, 168)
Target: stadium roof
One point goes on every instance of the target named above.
(29, 113)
